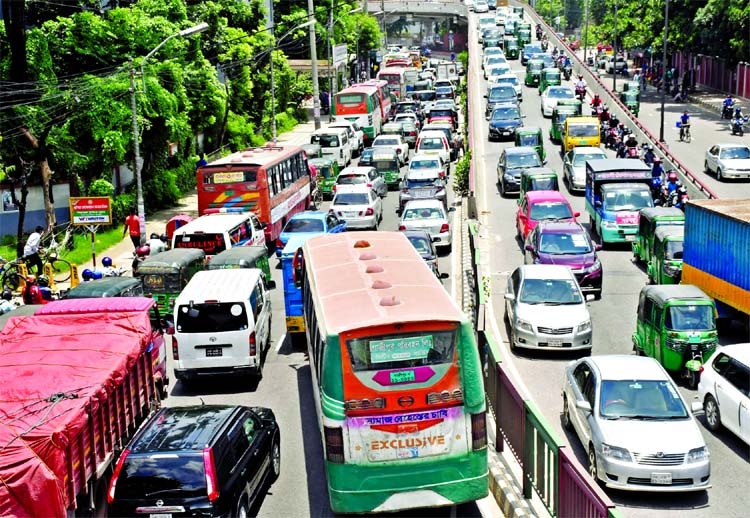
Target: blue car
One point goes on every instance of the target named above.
(310, 223)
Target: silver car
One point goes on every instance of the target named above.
(728, 161)
(546, 309)
(574, 165)
(636, 428)
(430, 216)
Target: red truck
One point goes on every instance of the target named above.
(75, 387)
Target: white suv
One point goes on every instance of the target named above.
(356, 135)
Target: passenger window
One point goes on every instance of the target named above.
(258, 298)
(589, 389)
(251, 428)
(256, 223)
(720, 363)
(581, 374)
(238, 442)
(739, 376)
(648, 311)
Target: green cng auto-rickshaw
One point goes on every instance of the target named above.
(538, 179)
(386, 162)
(534, 69)
(559, 114)
(576, 103)
(665, 264)
(106, 287)
(631, 100)
(524, 36)
(243, 257)
(327, 172)
(649, 220)
(531, 136)
(164, 275)
(511, 47)
(676, 325)
(549, 77)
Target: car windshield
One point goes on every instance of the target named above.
(505, 113)
(550, 210)
(564, 244)
(422, 244)
(583, 130)
(690, 317)
(517, 161)
(735, 153)
(532, 49)
(441, 113)
(385, 142)
(325, 140)
(560, 93)
(528, 139)
(550, 291)
(579, 159)
(513, 80)
(431, 143)
(627, 200)
(674, 250)
(425, 95)
(215, 317)
(423, 163)
(499, 93)
(423, 213)
(351, 198)
(304, 225)
(640, 399)
(544, 184)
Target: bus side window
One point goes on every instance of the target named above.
(277, 179)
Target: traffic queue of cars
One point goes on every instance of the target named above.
(625, 410)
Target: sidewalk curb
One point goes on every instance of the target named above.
(505, 490)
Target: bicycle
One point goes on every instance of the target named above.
(61, 268)
(685, 133)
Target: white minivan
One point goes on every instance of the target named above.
(334, 143)
(222, 324)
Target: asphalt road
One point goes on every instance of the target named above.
(541, 374)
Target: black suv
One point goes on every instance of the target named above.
(206, 460)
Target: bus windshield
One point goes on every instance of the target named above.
(396, 351)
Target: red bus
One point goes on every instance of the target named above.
(271, 181)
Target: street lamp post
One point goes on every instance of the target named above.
(273, 83)
(664, 68)
(314, 65)
(586, 36)
(333, 85)
(614, 63)
(136, 147)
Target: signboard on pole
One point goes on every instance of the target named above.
(339, 54)
(91, 210)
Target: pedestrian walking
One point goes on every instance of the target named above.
(133, 226)
(31, 250)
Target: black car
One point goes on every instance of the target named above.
(512, 161)
(499, 94)
(209, 460)
(504, 120)
(422, 242)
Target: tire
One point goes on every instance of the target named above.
(512, 336)
(719, 175)
(598, 295)
(502, 188)
(693, 379)
(11, 279)
(593, 468)
(275, 461)
(705, 167)
(567, 424)
(713, 415)
(243, 511)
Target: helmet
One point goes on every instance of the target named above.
(686, 112)
(7, 294)
(96, 274)
(621, 125)
(606, 108)
(596, 96)
(31, 279)
(672, 176)
(164, 238)
(580, 76)
(657, 160)
(154, 235)
(87, 274)
(142, 251)
(43, 281)
(106, 261)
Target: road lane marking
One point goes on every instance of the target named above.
(280, 342)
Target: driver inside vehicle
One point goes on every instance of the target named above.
(613, 394)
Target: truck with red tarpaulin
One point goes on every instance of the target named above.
(75, 388)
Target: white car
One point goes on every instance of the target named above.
(393, 141)
(724, 389)
(470, 4)
(408, 116)
(552, 94)
(498, 58)
(481, 6)
(511, 79)
(359, 206)
(430, 216)
(497, 70)
(434, 142)
(356, 135)
(636, 428)
(491, 51)
(424, 162)
(365, 175)
(728, 161)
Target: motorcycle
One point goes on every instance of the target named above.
(581, 93)
(632, 152)
(567, 72)
(656, 189)
(596, 111)
(727, 110)
(545, 45)
(738, 126)
(677, 198)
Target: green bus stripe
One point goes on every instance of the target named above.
(332, 408)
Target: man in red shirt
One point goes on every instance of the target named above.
(133, 225)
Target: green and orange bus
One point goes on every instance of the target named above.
(397, 379)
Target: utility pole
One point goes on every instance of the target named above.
(314, 65)
(137, 158)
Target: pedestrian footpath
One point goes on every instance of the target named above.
(122, 253)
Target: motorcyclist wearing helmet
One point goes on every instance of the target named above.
(649, 155)
(108, 269)
(31, 293)
(657, 170)
(581, 86)
(673, 183)
(596, 101)
(87, 275)
(141, 253)
(604, 115)
(155, 244)
(6, 302)
(726, 110)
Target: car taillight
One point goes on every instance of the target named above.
(333, 188)
(334, 438)
(444, 228)
(369, 211)
(115, 474)
(175, 350)
(402, 227)
(253, 345)
(279, 244)
(478, 431)
(212, 481)
(369, 185)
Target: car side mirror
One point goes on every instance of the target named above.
(271, 284)
(452, 209)
(583, 405)
(523, 116)
(576, 214)
(484, 96)
(510, 297)
(544, 162)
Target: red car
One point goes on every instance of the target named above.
(542, 205)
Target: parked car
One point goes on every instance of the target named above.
(568, 244)
(206, 460)
(539, 206)
(359, 206)
(545, 309)
(728, 161)
(635, 426)
(309, 222)
(724, 389)
(512, 161)
(422, 242)
(574, 165)
(430, 216)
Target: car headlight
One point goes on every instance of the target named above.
(609, 225)
(526, 326)
(509, 177)
(698, 454)
(615, 453)
(594, 267)
(585, 326)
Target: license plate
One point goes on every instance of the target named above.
(505, 132)
(662, 479)
(630, 238)
(160, 515)
(555, 343)
(350, 214)
(213, 351)
(419, 194)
